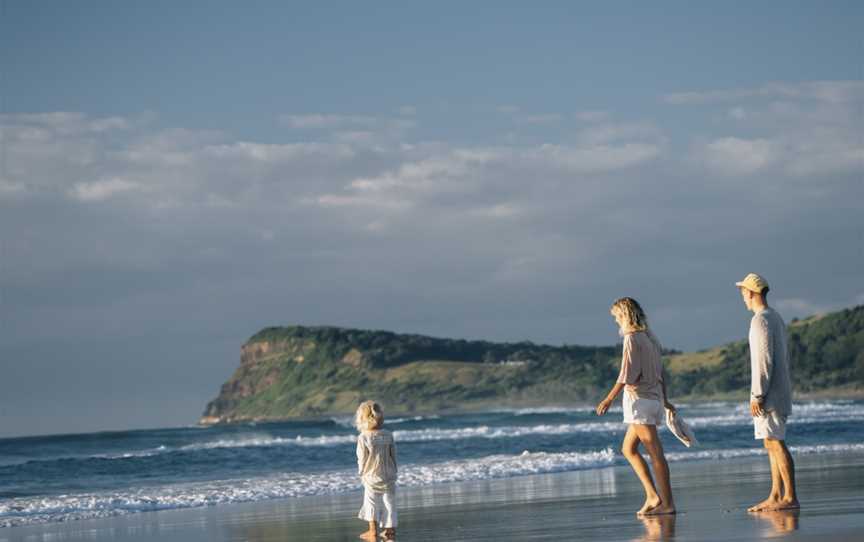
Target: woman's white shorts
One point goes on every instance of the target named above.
(642, 411)
(379, 507)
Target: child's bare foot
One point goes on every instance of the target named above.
(659, 510)
(650, 503)
(771, 503)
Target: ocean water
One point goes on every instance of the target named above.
(67, 477)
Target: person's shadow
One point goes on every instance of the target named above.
(658, 527)
(780, 521)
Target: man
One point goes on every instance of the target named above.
(770, 391)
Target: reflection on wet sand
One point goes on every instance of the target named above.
(658, 527)
(780, 521)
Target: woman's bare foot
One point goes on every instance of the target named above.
(788, 504)
(771, 503)
(650, 503)
(369, 535)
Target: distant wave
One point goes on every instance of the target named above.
(412, 419)
(547, 410)
(33, 510)
(348, 421)
(803, 414)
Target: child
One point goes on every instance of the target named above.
(376, 464)
(641, 378)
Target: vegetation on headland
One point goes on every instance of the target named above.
(290, 372)
(826, 352)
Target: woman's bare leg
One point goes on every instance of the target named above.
(630, 449)
(647, 435)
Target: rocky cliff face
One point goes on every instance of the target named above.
(261, 365)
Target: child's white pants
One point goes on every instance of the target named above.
(379, 507)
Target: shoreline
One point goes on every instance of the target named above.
(711, 497)
(836, 394)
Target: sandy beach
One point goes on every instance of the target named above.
(583, 505)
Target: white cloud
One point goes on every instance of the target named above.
(102, 190)
(351, 123)
(377, 202)
(65, 123)
(631, 132)
(738, 113)
(438, 173)
(825, 157)
(592, 116)
(595, 158)
(791, 130)
(540, 118)
(823, 91)
(499, 211)
(261, 152)
(735, 156)
(319, 120)
(364, 137)
(815, 153)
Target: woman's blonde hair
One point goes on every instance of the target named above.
(634, 318)
(632, 314)
(369, 416)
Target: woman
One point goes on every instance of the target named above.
(641, 378)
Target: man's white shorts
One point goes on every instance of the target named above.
(642, 411)
(769, 425)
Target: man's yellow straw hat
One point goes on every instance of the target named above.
(754, 283)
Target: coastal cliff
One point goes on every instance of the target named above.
(290, 372)
(296, 372)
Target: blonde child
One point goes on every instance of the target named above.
(376, 465)
(641, 378)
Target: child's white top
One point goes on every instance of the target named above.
(376, 459)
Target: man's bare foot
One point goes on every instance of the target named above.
(659, 510)
(389, 534)
(767, 505)
(650, 503)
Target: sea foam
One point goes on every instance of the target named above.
(32, 510)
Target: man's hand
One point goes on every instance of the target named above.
(669, 406)
(756, 408)
(603, 406)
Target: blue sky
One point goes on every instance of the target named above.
(175, 176)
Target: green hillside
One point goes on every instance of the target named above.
(826, 352)
(289, 372)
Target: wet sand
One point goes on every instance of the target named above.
(585, 505)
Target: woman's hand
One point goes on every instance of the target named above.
(603, 406)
